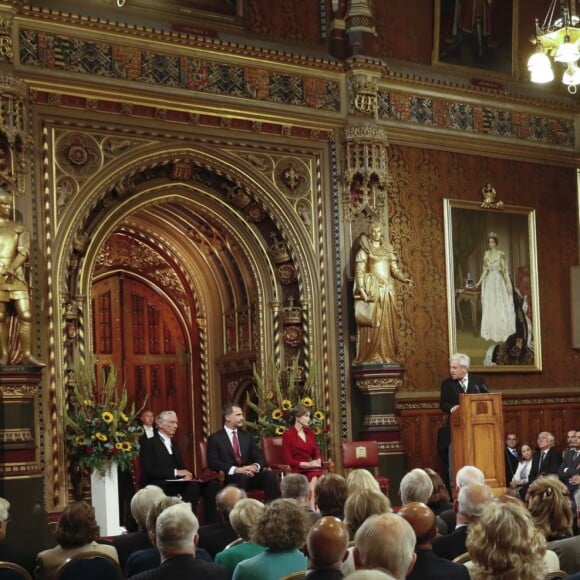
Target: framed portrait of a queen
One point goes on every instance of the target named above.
(492, 286)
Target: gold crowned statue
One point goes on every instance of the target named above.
(376, 269)
(15, 315)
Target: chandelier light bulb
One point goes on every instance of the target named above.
(571, 78)
(567, 52)
(540, 68)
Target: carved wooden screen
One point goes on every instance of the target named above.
(136, 330)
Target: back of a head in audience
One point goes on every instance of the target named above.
(469, 474)
(472, 499)
(440, 495)
(327, 544)
(369, 575)
(227, 498)
(295, 486)
(362, 504)
(387, 542)
(422, 520)
(283, 525)
(77, 525)
(141, 503)
(156, 510)
(416, 485)
(176, 530)
(331, 495)
(505, 545)
(359, 479)
(550, 506)
(244, 516)
(4, 512)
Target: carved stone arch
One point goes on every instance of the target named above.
(110, 198)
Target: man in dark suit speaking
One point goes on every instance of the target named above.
(162, 464)
(459, 381)
(235, 452)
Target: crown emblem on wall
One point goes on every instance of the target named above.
(278, 250)
(291, 314)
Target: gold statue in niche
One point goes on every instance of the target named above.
(376, 269)
(15, 313)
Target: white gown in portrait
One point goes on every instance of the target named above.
(498, 319)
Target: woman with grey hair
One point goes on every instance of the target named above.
(282, 529)
(243, 518)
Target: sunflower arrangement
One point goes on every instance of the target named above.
(275, 401)
(100, 430)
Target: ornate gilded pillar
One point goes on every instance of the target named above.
(376, 371)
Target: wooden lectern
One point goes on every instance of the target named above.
(477, 437)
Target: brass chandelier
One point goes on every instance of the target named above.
(558, 39)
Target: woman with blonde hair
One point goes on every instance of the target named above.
(550, 506)
(359, 506)
(505, 545)
(359, 479)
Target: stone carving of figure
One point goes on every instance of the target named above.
(14, 290)
(376, 270)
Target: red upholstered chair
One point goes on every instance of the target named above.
(274, 455)
(205, 473)
(364, 455)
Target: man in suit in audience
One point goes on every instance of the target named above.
(326, 548)
(472, 499)
(460, 381)
(570, 465)
(547, 459)
(9, 553)
(428, 564)
(215, 537)
(163, 465)
(295, 486)
(235, 453)
(176, 537)
(512, 458)
(571, 444)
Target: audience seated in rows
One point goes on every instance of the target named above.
(505, 545)
(470, 504)
(141, 503)
(296, 486)
(326, 547)
(428, 564)
(77, 531)
(176, 538)
(282, 530)
(243, 518)
(10, 553)
(358, 508)
(386, 542)
(215, 537)
(331, 493)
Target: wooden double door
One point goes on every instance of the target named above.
(136, 329)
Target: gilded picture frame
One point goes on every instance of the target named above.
(492, 286)
(477, 35)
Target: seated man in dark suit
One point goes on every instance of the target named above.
(512, 458)
(236, 454)
(176, 538)
(162, 464)
(215, 537)
(472, 499)
(326, 547)
(429, 564)
(546, 460)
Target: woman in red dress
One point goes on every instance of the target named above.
(301, 452)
